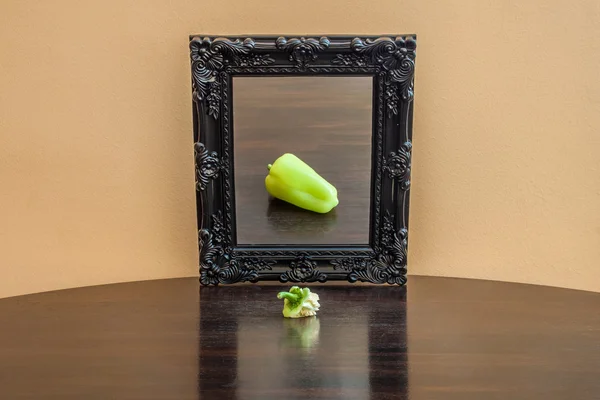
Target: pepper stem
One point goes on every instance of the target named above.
(269, 166)
(287, 295)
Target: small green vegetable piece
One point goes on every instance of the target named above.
(298, 303)
(290, 179)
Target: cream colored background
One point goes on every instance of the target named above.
(96, 156)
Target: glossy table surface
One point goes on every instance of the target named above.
(436, 338)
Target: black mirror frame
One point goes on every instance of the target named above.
(390, 60)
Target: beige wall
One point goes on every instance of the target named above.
(95, 124)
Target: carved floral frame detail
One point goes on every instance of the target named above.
(390, 60)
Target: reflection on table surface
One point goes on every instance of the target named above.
(326, 122)
(342, 351)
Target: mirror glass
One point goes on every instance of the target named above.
(321, 124)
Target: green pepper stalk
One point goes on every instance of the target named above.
(298, 303)
(290, 179)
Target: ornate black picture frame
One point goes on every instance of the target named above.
(390, 60)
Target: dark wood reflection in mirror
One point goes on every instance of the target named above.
(325, 121)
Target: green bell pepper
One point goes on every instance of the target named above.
(290, 179)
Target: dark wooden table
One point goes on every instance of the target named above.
(434, 339)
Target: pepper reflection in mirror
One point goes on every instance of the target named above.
(292, 180)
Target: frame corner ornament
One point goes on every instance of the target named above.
(387, 267)
(210, 58)
(217, 263)
(397, 58)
